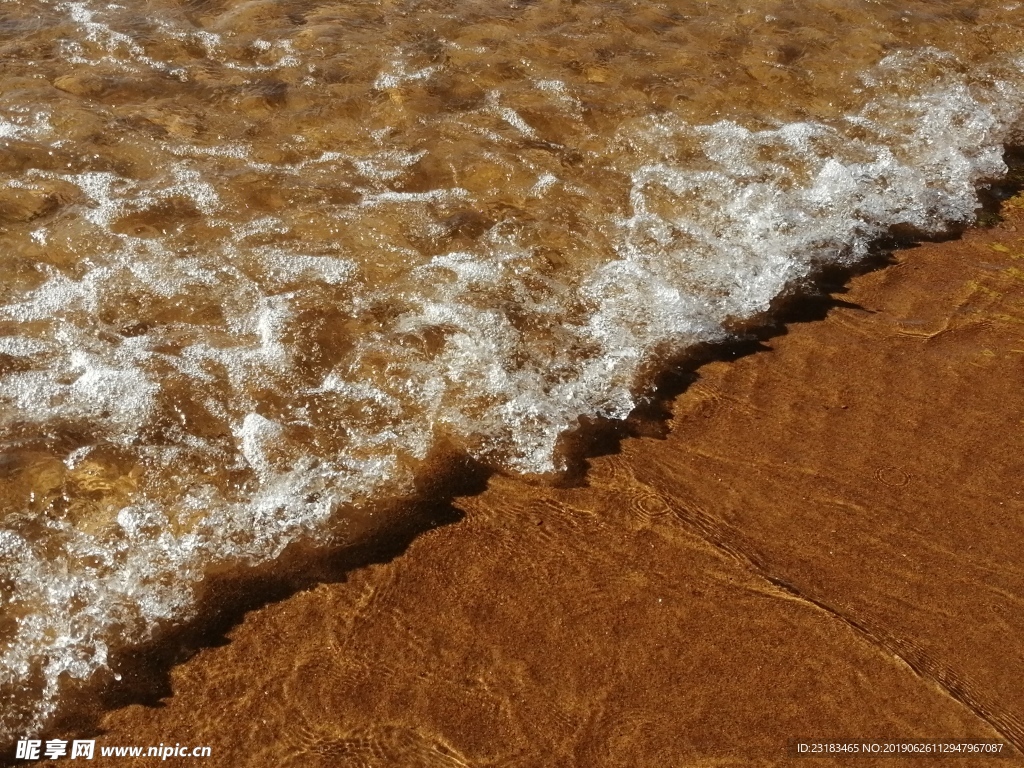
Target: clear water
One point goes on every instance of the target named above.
(261, 261)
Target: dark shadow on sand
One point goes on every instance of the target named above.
(146, 672)
(807, 302)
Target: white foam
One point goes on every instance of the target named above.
(9, 130)
(430, 196)
(475, 345)
(289, 267)
(398, 75)
(387, 164)
(25, 124)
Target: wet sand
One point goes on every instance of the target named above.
(824, 542)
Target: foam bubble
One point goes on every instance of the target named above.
(182, 405)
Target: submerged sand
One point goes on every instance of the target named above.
(825, 542)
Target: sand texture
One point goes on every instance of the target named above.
(825, 541)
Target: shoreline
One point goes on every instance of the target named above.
(823, 543)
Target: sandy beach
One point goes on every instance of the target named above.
(820, 539)
(328, 340)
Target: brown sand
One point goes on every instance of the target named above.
(828, 543)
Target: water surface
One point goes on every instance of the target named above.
(263, 260)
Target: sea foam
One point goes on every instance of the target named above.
(178, 409)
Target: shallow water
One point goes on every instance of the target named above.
(263, 260)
